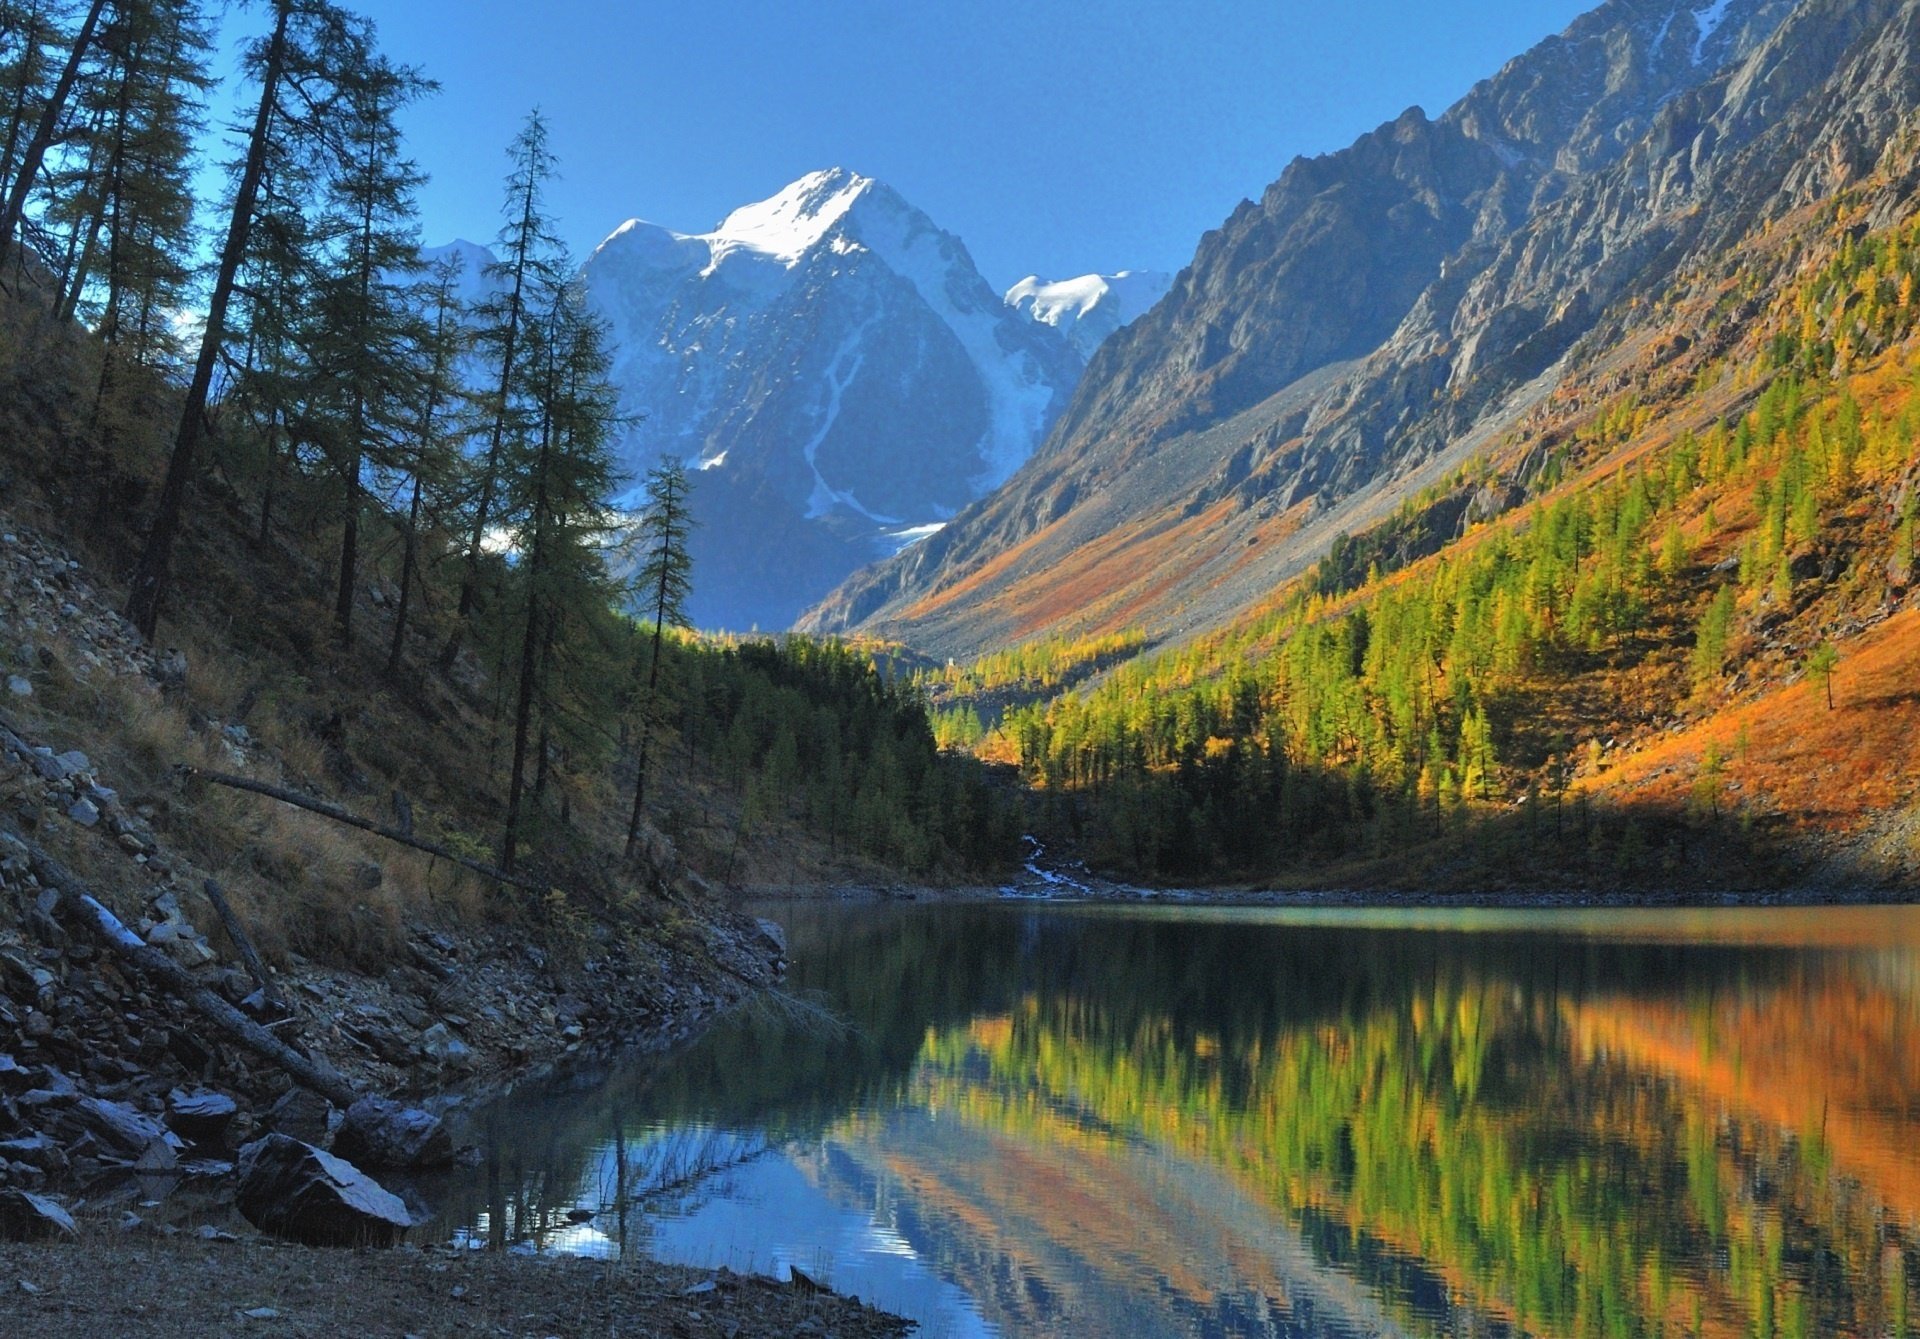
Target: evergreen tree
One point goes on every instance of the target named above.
(314, 53)
(556, 485)
(368, 325)
(433, 460)
(664, 582)
(23, 177)
(528, 266)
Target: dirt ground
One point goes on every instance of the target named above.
(184, 1288)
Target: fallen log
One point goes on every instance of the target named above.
(339, 815)
(82, 908)
(238, 934)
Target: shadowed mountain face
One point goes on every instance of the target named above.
(1383, 313)
(836, 372)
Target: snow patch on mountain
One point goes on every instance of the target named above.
(1022, 397)
(1087, 310)
(790, 224)
(1708, 21)
(837, 371)
(475, 285)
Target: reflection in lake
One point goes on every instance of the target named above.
(1060, 1121)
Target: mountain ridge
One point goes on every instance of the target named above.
(1345, 327)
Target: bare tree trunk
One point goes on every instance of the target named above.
(81, 908)
(352, 820)
(156, 559)
(408, 554)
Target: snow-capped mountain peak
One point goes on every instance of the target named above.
(786, 226)
(1090, 308)
(837, 370)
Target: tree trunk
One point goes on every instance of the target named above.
(470, 576)
(653, 683)
(150, 576)
(529, 656)
(409, 552)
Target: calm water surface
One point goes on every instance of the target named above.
(1045, 1120)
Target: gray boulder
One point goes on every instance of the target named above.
(380, 1133)
(28, 1217)
(121, 1130)
(200, 1118)
(293, 1190)
(301, 1115)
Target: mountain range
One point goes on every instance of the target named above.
(835, 373)
(1382, 315)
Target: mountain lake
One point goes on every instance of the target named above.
(1033, 1119)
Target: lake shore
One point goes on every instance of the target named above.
(1101, 893)
(143, 1285)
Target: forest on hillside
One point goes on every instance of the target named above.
(1453, 682)
(427, 464)
(271, 389)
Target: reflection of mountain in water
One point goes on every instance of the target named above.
(1090, 1235)
(1096, 1123)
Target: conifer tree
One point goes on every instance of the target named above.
(14, 210)
(432, 460)
(312, 55)
(368, 326)
(28, 31)
(664, 582)
(556, 483)
(527, 265)
(131, 208)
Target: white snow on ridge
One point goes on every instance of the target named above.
(641, 269)
(1708, 21)
(899, 541)
(790, 224)
(1019, 396)
(1090, 308)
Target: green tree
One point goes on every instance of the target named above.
(368, 325)
(664, 582)
(304, 67)
(1711, 639)
(527, 267)
(45, 131)
(556, 484)
(1821, 664)
(432, 462)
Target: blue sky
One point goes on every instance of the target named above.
(1054, 136)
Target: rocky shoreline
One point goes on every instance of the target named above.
(148, 1159)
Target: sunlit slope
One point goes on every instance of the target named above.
(1383, 313)
(1659, 560)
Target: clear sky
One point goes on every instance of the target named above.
(1053, 136)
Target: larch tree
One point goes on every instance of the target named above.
(527, 265)
(368, 326)
(432, 458)
(663, 584)
(305, 68)
(47, 128)
(557, 479)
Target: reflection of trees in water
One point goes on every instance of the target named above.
(1566, 1188)
(1438, 1113)
(674, 1171)
(606, 1206)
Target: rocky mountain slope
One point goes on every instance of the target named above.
(1384, 313)
(838, 373)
